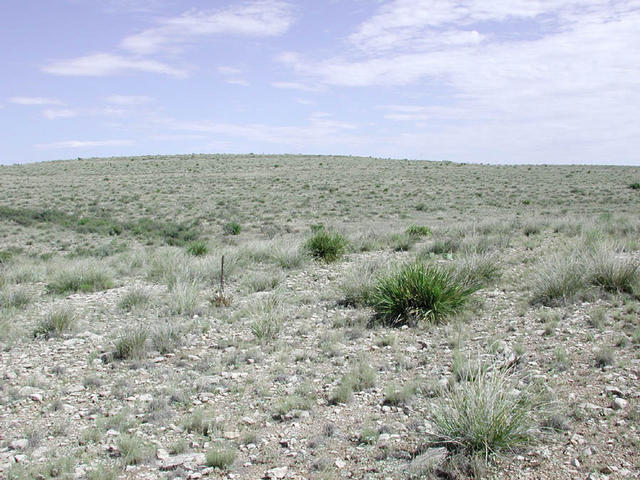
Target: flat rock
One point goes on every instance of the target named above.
(279, 472)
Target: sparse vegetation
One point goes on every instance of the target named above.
(326, 245)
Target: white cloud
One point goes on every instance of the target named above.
(258, 18)
(72, 144)
(238, 81)
(297, 86)
(227, 70)
(35, 101)
(55, 113)
(105, 64)
(129, 100)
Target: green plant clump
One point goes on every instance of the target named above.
(418, 292)
(232, 228)
(198, 249)
(326, 245)
(418, 231)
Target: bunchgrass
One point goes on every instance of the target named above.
(220, 456)
(133, 299)
(417, 292)
(83, 276)
(184, 298)
(486, 413)
(198, 248)
(133, 449)
(132, 345)
(58, 321)
(326, 245)
(18, 297)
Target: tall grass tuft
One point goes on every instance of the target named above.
(56, 322)
(419, 292)
(326, 245)
(485, 413)
(82, 276)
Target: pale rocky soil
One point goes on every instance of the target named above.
(55, 392)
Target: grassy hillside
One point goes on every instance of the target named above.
(373, 319)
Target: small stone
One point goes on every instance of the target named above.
(576, 463)
(20, 444)
(146, 397)
(162, 454)
(340, 464)
(20, 458)
(36, 397)
(231, 435)
(615, 391)
(279, 472)
(247, 420)
(75, 388)
(619, 403)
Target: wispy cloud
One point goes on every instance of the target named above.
(129, 100)
(297, 86)
(55, 113)
(73, 144)
(105, 64)
(35, 101)
(258, 18)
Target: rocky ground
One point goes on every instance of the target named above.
(224, 403)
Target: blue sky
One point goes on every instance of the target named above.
(502, 81)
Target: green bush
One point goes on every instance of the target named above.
(418, 292)
(635, 186)
(326, 245)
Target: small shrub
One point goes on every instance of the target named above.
(397, 395)
(266, 317)
(132, 345)
(357, 284)
(485, 414)
(262, 281)
(635, 186)
(220, 456)
(361, 377)
(325, 245)
(133, 299)
(402, 242)
(477, 270)
(56, 322)
(293, 403)
(614, 274)
(198, 248)
(232, 228)
(417, 292)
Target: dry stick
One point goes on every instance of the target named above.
(222, 276)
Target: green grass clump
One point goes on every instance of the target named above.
(418, 231)
(560, 281)
(232, 228)
(133, 449)
(220, 456)
(361, 377)
(58, 321)
(198, 248)
(132, 345)
(418, 292)
(326, 245)
(635, 186)
(485, 414)
(614, 274)
(86, 276)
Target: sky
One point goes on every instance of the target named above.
(500, 81)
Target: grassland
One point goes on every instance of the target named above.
(377, 319)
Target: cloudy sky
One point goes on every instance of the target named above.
(500, 81)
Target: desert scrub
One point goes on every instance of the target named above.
(361, 377)
(56, 322)
(132, 345)
(261, 281)
(417, 292)
(559, 281)
(18, 297)
(418, 231)
(82, 276)
(166, 337)
(326, 245)
(133, 299)
(486, 413)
